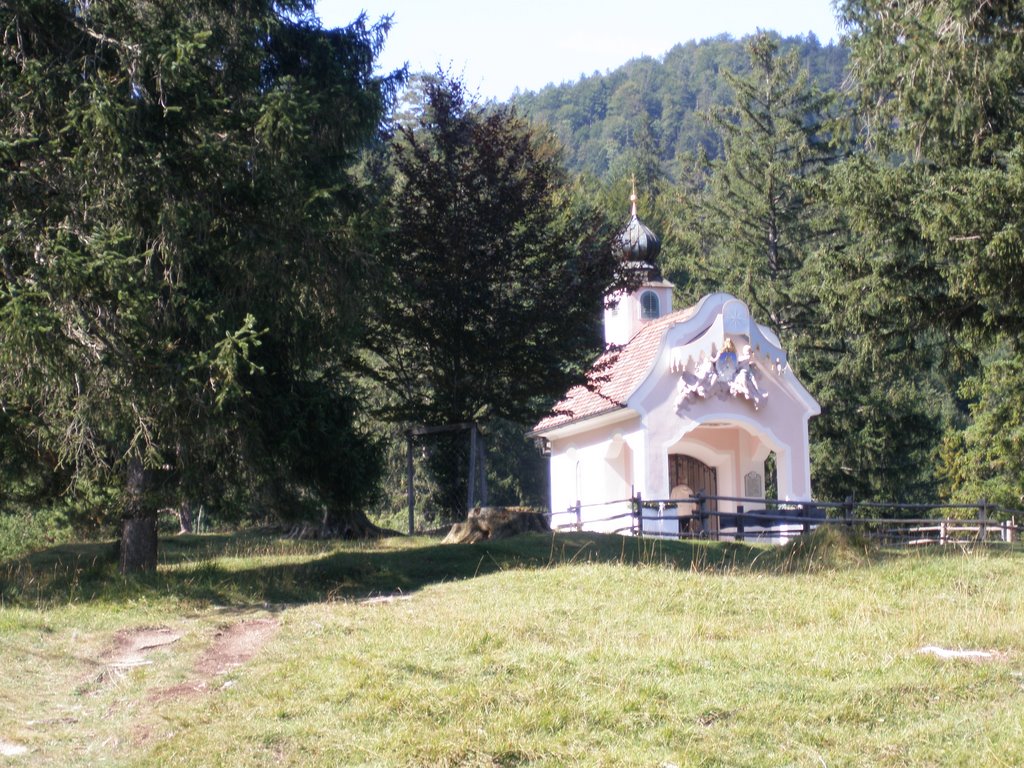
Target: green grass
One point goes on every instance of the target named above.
(543, 651)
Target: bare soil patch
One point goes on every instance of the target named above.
(232, 646)
(131, 646)
(235, 645)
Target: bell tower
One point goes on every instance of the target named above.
(637, 249)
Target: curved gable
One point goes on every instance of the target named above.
(683, 340)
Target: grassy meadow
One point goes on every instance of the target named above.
(573, 649)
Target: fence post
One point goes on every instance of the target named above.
(638, 514)
(702, 512)
(481, 467)
(579, 516)
(410, 493)
(471, 497)
(982, 520)
(739, 522)
(807, 523)
(848, 511)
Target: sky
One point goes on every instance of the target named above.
(498, 47)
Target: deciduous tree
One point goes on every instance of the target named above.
(497, 270)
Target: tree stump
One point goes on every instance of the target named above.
(490, 523)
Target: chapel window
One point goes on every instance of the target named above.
(650, 307)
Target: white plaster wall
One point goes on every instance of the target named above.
(595, 467)
(622, 321)
(618, 320)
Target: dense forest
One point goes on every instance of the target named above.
(851, 195)
(237, 264)
(659, 105)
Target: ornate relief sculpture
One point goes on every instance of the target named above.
(725, 373)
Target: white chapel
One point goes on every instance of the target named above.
(681, 402)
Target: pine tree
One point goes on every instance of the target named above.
(774, 231)
(762, 213)
(179, 283)
(939, 92)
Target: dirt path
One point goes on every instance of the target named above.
(132, 646)
(232, 646)
(111, 682)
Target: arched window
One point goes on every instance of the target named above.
(650, 307)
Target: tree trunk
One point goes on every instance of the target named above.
(185, 506)
(138, 546)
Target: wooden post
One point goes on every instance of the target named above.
(943, 532)
(579, 516)
(982, 520)
(848, 511)
(481, 467)
(739, 522)
(471, 485)
(410, 493)
(638, 514)
(702, 511)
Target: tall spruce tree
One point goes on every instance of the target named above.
(940, 86)
(497, 272)
(179, 272)
(870, 361)
(762, 211)
(772, 231)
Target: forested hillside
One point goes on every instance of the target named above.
(659, 105)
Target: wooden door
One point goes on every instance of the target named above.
(697, 477)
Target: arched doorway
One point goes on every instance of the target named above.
(688, 476)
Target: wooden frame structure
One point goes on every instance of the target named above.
(476, 476)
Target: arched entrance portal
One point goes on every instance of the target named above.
(689, 476)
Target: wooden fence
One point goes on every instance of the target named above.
(776, 521)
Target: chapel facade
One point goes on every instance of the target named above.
(681, 402)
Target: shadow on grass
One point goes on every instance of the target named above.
(260, 566)
(256, 566)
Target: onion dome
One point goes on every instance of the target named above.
(636, 245)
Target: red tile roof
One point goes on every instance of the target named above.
(615, 376)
